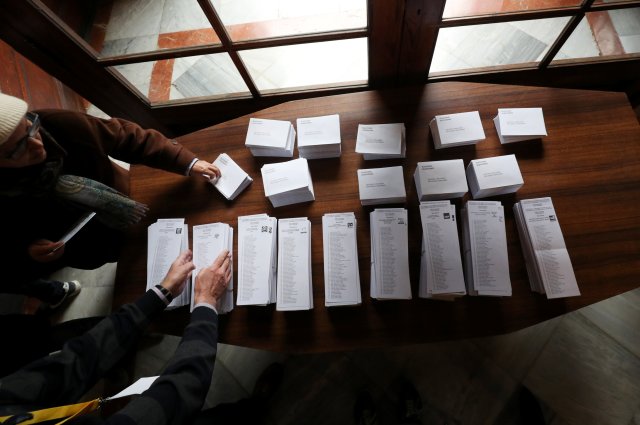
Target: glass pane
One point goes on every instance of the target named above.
(258, 19)
(462, 8)
(119, 27)
(493, 45)
(608, 33)
(326, 63)
(185, 78)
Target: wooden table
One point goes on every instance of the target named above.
(589, 164)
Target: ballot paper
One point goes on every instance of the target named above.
(464, 128)
(441, 275)
(486, 263)
(166, 239)
(233, 180)
(257, 259)
(270, 137)
(546, 256)
(82, 221)
(437, 180)
(340, 249)
(209, 240)
(319, 137)
(287, 182)
(494, 176)
(519, 124)
(389, 254)
(381, 141)
(381, 186)
(294, 289)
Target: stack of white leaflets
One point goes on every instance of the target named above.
(209, 240)
(341, 274)
(288, 182)
(519, 124)
(547, 259)
(166, 239)
(381, 186)
(257, 259)
(270, 137)
(294, 289)
(389, 254)
(437, 180)
(441, 275)
(486, 264)
(381, 141)
(233, 180)
(319, 137)
(494, 176)
(464, 128)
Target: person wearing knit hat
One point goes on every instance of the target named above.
(55, 168)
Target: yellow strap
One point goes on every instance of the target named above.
(69, 411)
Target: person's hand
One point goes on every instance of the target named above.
(178, 273)
(45, 251)
(212, 281)
(205, 169)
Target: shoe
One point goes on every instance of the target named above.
(364, 410)
(410, 404)
(71, 289)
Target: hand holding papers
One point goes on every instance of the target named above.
(341, 273)
(440, 180)
(270, 137)
(233, 180)
(319, 137)
(546, 256)
(494, 176)
(257, 259)
(519, 124)
(381, 186)
(460, 129)
(288, 182)
(381, 141)
(294, 290)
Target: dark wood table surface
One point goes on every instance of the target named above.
(589, 164)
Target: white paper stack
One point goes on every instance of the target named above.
(519, 124)
(381, 141)
(319, 137)
(464, 128)
(270, 137)
(545, 253)
(437, 180)
(294, 289)
(441, 275)
(209, 240)
(233, 180)
(381, 186)
(288, 182)
(486, 263)
(389, 254)
(166, 239)
(494, 176)
(340, 249)
(257, 259)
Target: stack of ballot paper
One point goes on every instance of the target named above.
(270, 137)
(294, 289)
(340, 249)
(486, 264)
(381, 186)
(545, 253)
(166, 239)
(319, 137)
(441, 275)
(494, 176)
(257, 259)
(233, 180)
(440, 180)
(519, 124)
(209, 240)
(389, 254)
(381, 141)
(288, 182)
(460, 129)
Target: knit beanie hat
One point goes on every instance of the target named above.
(12, 110)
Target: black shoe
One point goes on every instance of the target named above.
(364, 410)
(410, 404)
(71, 289)
(268, 382)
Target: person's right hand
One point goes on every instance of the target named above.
(42, 250)
(212, 281)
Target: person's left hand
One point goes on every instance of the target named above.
(178, 273)
(205, 169)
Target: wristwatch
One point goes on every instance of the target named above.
(165, 292)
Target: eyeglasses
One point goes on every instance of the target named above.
(31, 132)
